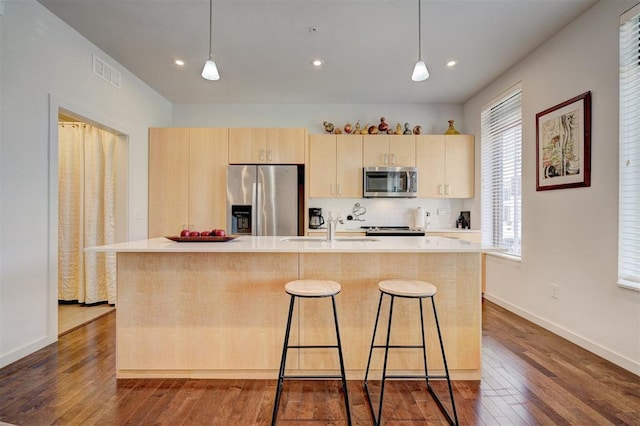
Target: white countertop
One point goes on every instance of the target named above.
(428, 244)
(321, 230)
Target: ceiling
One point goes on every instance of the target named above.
(263, 48)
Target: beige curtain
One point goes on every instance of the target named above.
(86, 213)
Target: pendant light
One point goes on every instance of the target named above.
(420, 72)
(210, 70)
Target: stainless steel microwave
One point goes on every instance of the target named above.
(386, 182)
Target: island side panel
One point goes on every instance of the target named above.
(202, 314)
(458, 279)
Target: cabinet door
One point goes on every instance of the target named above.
(168, 181)
(430, 154)
(459, 166)
(402, 151)
(247, 146)
(322, 166)
(208, 153)
(376, 151)
(285, 146)
(349, 166)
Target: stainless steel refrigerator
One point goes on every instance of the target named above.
(264, 200)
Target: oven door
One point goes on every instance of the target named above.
(386, 182)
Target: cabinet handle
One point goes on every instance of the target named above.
(393, 159)
(385, 160)
(262, 155)
(447, 189)
(339, 189)
(269, 156)
(440, 188)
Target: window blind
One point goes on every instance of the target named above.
(501, 158)
(629, 179)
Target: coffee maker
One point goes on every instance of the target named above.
(315, 218)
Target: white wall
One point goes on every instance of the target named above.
(570, 235)
(433, 118)
(42, 59)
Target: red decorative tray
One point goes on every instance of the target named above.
(201, 239)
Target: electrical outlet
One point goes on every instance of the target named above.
(442, 212)
(555, 291)
(138, 214)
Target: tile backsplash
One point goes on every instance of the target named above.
(391, 211)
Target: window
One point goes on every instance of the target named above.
(629, 186)
(502, 172)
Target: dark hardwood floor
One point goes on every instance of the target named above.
(530, 377)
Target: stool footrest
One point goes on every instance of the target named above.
(313, 347)
(310, 377)
(398, 346)
(401, 376)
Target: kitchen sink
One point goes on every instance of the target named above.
(339, 239)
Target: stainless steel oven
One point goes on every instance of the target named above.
(394, 182)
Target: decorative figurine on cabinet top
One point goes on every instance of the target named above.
(348, 128)
(451, 130)
(383, 126)
(357, 130)
(373, 130)
(328, 127)
(407, 130)
(398, 129)
(417, 130)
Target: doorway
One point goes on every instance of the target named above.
(92, 183)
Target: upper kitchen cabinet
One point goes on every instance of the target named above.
(187, 179)
(266, 146)
(389, 151)
(335, 166)
(445, 166)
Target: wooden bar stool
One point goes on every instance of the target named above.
(411, 289)
(311, 289)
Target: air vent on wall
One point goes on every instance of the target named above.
(106, 72)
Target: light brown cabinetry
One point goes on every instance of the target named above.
(335, 166)
(266, 146)
(187, 179)
(445, 166)
(389, 151)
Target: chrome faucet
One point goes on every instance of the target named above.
(332, 224)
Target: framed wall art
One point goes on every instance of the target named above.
(563, 143)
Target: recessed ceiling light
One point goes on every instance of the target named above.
(317, 62)
(451, 63)
(179, 62)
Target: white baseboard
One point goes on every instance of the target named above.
(620, 360)
(13, 356)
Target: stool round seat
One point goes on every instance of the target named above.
(312, 288)
(408, 288)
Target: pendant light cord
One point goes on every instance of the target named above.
(210, 25)
(419, 31)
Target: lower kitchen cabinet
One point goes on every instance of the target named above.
(187, 179)
(472, 236)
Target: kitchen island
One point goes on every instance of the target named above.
(218, 310)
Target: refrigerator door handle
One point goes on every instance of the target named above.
(254, 209)
(258, 209)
